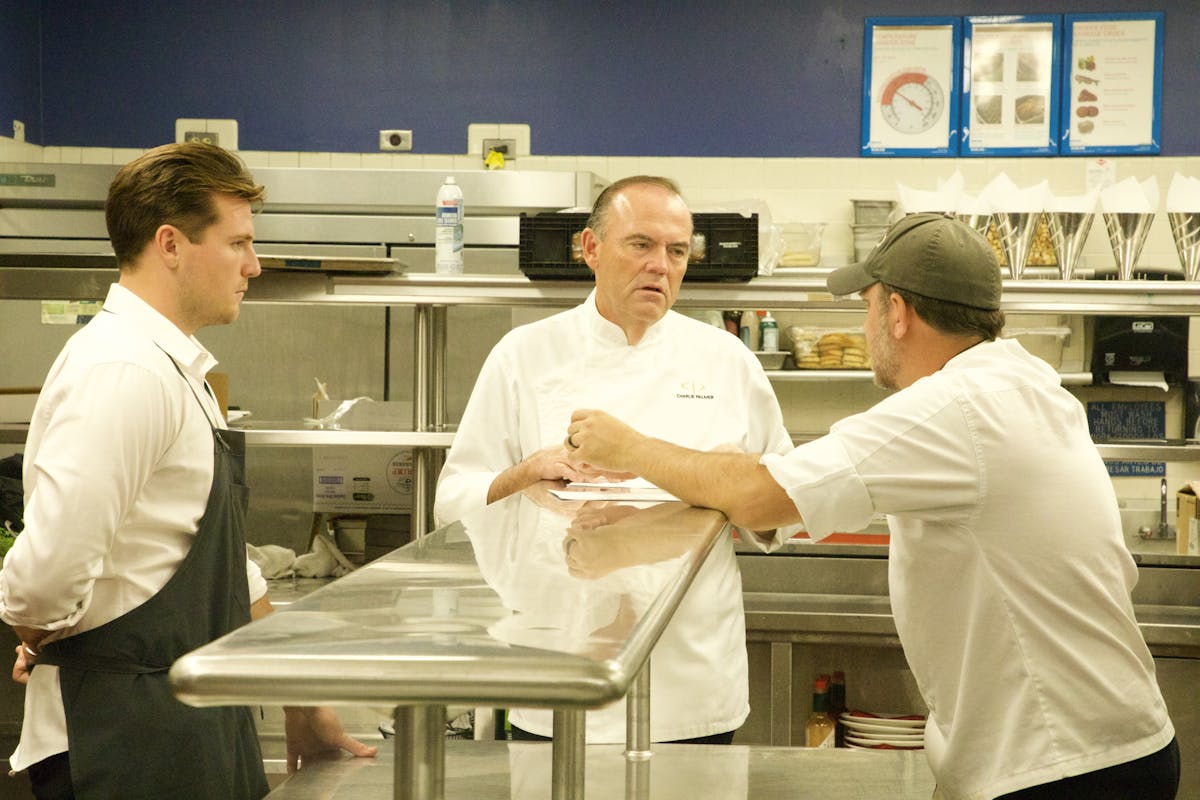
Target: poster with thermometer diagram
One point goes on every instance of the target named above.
(910, 86)
(1112, 86)
(1010, 85)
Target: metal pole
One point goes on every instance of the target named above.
(567, 755)
(781, 694)
(422, 477)
(637, 716)
(420, 770)
(437, 376)
(637, 780)
(438, 381)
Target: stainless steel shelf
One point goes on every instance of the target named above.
(865, 375)
(320, 438)
(1173, 451)
(1043, 296)
(15, 433)
(1031, 296)
(1150, 451)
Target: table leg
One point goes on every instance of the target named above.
(781, 693)
(567, 755)
(637, 779)
(420, 753)
(637, 716)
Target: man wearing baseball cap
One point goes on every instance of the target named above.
(1009, 577)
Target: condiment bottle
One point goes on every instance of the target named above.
(770, 331)
(819, 732)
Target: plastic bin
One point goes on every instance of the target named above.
(865, 239)
(724, 247)
(873, 212)
(801, 243)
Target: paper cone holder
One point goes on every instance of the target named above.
(1127, 234)
(1185, 230)
(1016, 230)
(980, 222)
(1068, 232)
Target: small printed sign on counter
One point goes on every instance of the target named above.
(361, 480)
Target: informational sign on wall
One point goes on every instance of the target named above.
(1045, 84)
(1010, 85)
(1112, 87)
(1129, 421)
(911, 86)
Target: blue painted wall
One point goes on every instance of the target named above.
(20, 64)
(756, 78)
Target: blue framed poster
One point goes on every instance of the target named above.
(911, 86)
(1011, 85)
(1112, 83)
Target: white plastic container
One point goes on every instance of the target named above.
(748, 329)
(449, 238)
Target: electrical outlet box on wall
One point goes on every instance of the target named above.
(222, 132)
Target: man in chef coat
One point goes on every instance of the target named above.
(1009, 576)
(133, 551)
(625, 350)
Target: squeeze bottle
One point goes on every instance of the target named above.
(770, 333)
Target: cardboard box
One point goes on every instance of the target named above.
(1187, 520)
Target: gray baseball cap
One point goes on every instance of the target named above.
(931, 255)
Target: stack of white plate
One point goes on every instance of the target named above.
(869, 730)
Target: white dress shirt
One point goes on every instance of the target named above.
(117, 470)
(1009, 576)
(685, 382)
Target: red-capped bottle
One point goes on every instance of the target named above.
(820, 730)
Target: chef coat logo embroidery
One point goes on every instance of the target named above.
(693, 390)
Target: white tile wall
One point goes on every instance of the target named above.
(788, 189)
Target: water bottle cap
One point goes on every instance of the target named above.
(450, 179)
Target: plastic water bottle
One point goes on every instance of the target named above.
(770, 332)
(449, 240)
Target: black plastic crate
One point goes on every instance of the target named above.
(724, 247)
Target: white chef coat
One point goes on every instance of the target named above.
(1010, 579)
(685, 382)
(117, 470)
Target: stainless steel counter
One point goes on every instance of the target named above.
(443, 620)
(521, 771)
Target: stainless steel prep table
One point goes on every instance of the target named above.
(520, 771)
(452, 618)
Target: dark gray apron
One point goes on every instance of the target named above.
(129, 738)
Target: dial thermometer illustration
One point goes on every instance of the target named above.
(912, 102)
